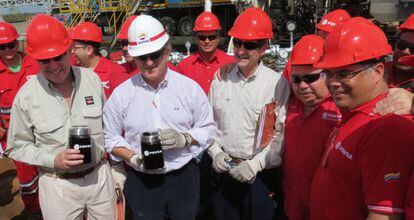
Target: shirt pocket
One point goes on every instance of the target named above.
(51, 131)
(220, 114)
(93, 118)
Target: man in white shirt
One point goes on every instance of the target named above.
(158, 100)
(244, 170)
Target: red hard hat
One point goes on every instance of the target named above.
(353, 41)
(46, 38)
(8, 33)
(406, 60)
(307, 50)
(88, 31)
(408, 24)
(333, 18)
(123, 33)
(206, 21)
(71, 32)
(252, 24)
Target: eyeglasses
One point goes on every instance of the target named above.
(205, 37)
(152, 56)
(79, 46)
(248, 45)
(344, 74)
(308, 78)
(403, 45)
(56, 59)
(8, 45)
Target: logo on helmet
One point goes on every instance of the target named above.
(142, 38)
(326, 22)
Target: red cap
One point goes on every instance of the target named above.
(307, 50)
(88, 31)
(46, 38)
(8, 33)
(332, 19)
(252, 24)
(123, 33)
(408, 24)
(207, 21)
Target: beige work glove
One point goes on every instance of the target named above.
(221, 162)
(171, 139)
(136, 162)
(119, 175)
(246, 171)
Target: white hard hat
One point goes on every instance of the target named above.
(146, 35)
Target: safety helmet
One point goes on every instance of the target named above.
(88, 31)
(123, 33)
(8, 33)
(71, 32)
(252, 24)
(146, 35)
(46, 38)
(206, 21)
(353, 41)
(333, 18)
(307, 50)
(408, 24)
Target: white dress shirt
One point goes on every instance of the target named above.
(179, 103)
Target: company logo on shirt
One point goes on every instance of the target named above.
(331, 117)
(343, 151)
(391, 176)
(89, 100)
(105, 84)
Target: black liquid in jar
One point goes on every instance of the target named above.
(80, 139)
(152, 152)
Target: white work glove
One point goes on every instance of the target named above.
(136, 162)
(245, 171)
(119, 175)
(221, 162)
(171, 138)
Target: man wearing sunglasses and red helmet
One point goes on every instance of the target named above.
(245, 172)
(311, 116)
(15, 69)
(399, 74)
(365, 170)
(60, 97)
(202, 65)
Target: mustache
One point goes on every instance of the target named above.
(242, 56)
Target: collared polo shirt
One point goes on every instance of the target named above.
(201, 71)
(41, 118)
(305, 139)
(366, 167)
(111, 75)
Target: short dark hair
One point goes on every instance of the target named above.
(95, 46)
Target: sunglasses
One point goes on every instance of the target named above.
(308, 78)
(56, 59)
(8, 45)
(403, 45)
(248, 45)
(209, 37)
(152, 56)
(344, 74)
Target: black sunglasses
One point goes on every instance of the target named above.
(8, 45)
(403, 45)
(152, 56)
(345, 74)
(56, 59)
(205, 37)
(248, 45)
(308, 78)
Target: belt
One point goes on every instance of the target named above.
(71, 175)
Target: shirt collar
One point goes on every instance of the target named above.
(251, 77)
(197, 57)
(365, 108)
(101, 65)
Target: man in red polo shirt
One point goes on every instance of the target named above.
(202, 65)
(409, 212)
(311, 116)
(87, 39)
(323, 28)
(15, 69)
(365, 170)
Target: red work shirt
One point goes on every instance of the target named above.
(409, 210)
(111, 75)
(11, 82)
(304, 146)
(366, 167)
(203, 72)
